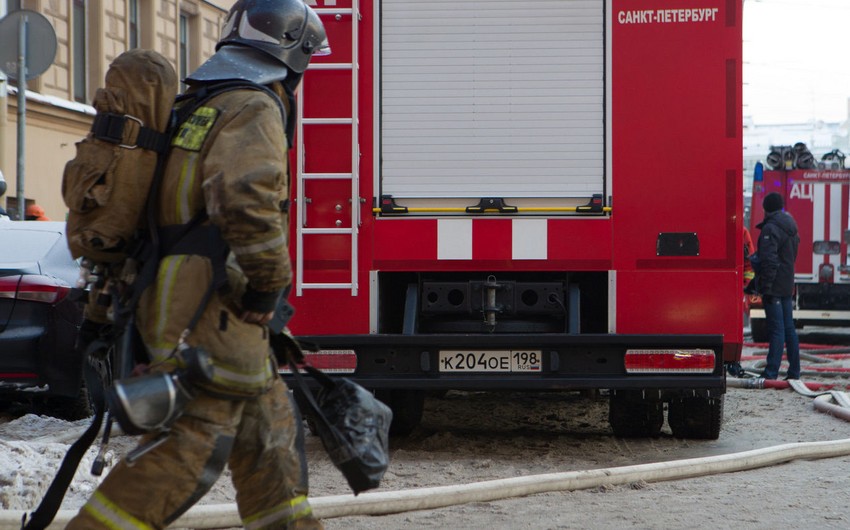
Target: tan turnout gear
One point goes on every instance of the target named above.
(229, 159)
(262, 438)
(222, 232)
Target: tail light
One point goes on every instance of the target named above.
(9, 286)
(832, 248)
(33, 288)
(826, 273)
(330, 361)
(669, 361)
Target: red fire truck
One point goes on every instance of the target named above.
(541, 195)
(818, 201)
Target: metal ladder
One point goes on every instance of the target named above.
(354, 177)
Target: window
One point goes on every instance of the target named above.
(79, 51)
(184, 45)
(133, 23)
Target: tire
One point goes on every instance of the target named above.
(407, 407)
(69, 408)
(697, 418)
(631, 416)
(758, 329)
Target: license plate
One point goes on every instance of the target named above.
(490, 360)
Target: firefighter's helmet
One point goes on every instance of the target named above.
(286, 33)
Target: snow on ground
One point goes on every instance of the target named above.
(31, 449)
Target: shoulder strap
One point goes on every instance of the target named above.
(42, 516)
(110, 127)
(184, 106)
(207, 92)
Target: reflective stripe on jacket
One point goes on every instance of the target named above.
(229, 159)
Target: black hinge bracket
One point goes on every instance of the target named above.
(491, 204)
(388, 205)
(594, 206)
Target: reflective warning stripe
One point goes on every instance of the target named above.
(251, 382)
(184, 189)
(521, 239)
(164, 353)
(284, 512)
(164, 290)
(277, 242)
(110, 515)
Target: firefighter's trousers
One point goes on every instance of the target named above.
(261, 439)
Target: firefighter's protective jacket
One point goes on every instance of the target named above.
(229, 159)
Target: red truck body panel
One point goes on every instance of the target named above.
(673, 147)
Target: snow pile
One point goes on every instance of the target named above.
(31, 450)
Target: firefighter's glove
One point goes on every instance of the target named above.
(258, 306)
(259, 301)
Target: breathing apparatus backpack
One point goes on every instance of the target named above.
(106, 184)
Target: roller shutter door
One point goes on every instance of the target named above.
(497, 98)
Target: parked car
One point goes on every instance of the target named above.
(39, 321)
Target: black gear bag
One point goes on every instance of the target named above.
(353, 425)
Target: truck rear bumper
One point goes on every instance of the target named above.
(813, 316)
(566, 362)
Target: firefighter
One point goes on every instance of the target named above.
(34, 212)
(227, 174)
(777, 252)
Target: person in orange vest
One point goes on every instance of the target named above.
(749, 248)
(750, 296)
(35, 212)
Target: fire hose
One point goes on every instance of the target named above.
(383, 503)
(828, 401)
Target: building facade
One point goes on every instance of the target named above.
(89, 35)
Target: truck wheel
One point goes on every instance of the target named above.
(407, 407)
(631, 416)
(698, 418)
(69, 408)
(758, 329)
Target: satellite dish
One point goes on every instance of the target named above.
(40, 44)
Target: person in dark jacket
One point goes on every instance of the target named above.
(777, 252)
